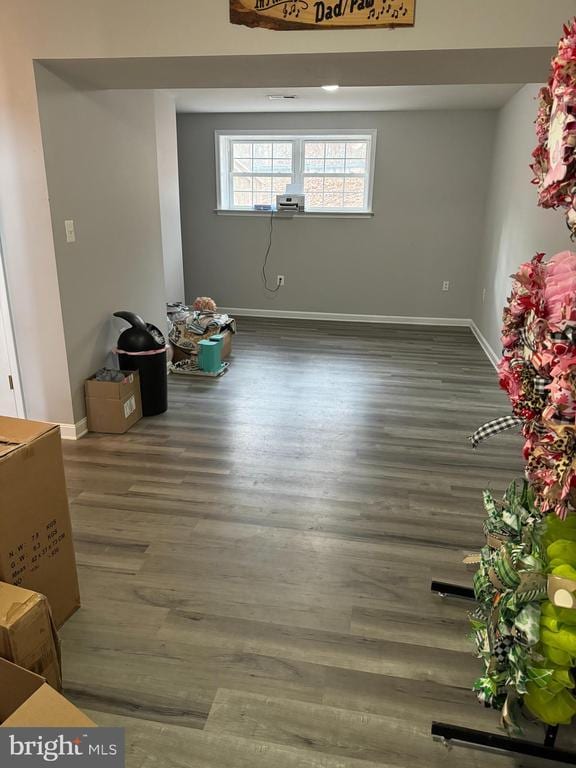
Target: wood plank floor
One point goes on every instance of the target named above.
(255, 564)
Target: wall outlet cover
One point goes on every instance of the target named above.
(70, 231)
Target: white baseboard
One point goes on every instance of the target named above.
(484, 343)
(74, 431)
(457, 322)
(346, 318)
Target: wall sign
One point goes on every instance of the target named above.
(322, 14)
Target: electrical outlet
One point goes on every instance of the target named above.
(280, 280)
(446, 285)
(483, 295)
(70, 231)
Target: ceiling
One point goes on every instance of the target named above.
(354, 99)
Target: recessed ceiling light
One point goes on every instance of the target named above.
(281, 97)
(330, 88)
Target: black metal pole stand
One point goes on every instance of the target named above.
(494, 742)
(452, 590)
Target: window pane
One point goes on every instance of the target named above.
(283, 165)
(242, 150)
(262, 165)
(314, 191)
(242, 165)
(353, 201)
(314, 149)
(313, 165)
(334, 184)
(356, 149)
(354, 186)
(354, 193)
(332, 201)
(242, 183)
(263, 150)
(262, 183)
(355, 166)
(262, 198)
(279, 184)
(335, 149)
(313, 184)
(282, 149)
(335, 165)
(243, 199)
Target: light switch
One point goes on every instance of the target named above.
(70, 231)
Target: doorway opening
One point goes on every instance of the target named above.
(11, 400)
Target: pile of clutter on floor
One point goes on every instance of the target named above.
(200, 338)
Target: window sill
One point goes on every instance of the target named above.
(305, 215)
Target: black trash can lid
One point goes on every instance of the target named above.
(141, 337)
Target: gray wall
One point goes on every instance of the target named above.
(169, 192)
(102, 171)
(131, 37)
(515, 228)
(431, 179)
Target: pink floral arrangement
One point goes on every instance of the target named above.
(526, 297)
(554, 159)
(538, 372)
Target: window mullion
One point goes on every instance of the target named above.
(298, 155)
(230, 175)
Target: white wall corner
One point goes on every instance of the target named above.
(483, 341)
(74, 431)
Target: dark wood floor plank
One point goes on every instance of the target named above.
(255, 563)
(350, 734)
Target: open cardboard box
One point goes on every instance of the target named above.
(111, 406)
(27, 701)
(36, 548)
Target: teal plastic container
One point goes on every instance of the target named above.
(209, 356)
(218, 338)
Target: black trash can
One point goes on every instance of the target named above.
(142, 348)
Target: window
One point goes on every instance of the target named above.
(334, 171)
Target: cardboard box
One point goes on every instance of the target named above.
(113, 406)
(183, 354)
(36, 548)
(27, 633)
(27, 701)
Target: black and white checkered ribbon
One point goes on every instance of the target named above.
(568, 334)
(494, 427)
(540, 384)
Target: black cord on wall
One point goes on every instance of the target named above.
(264, 278)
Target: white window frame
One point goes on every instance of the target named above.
(224, 139)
